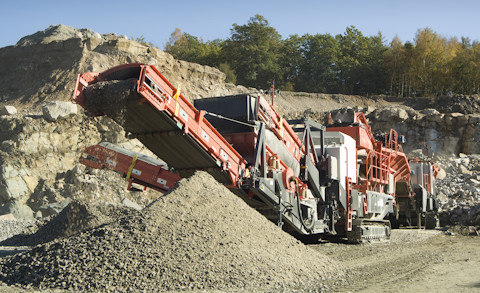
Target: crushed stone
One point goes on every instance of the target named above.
(10, 228)
(76, 217)
(200, 236)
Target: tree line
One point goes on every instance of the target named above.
(350, 63)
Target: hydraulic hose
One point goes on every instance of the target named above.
(310, 227)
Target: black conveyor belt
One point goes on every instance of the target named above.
(154, 128)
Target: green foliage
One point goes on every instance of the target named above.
(430, 59)
(253, 51)
(141, 39)
(318, 69)
(348, 63)
(186, 47)
(433, 65)
(360, 62)
(229, 73)
(466, 68)
(291, 60)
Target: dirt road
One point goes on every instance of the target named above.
(414, 261)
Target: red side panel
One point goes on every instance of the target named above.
(142, 170)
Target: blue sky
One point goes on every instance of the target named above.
(156, 20)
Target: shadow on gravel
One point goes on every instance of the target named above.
(470, 285)
(12, 251)
(315, 239)
(475, 285)
(41, 236)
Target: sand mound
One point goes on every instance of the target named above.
(199, 236)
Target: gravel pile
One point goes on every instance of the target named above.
(200, 236)
(76, 217)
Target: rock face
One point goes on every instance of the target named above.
(450, 133)
(40, 145)
(14, 183)
(55, 33)
(8, 110)
(442, 133)
(39, 154)
(18, 210)
(49, 61)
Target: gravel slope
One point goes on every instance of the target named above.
(199, 236)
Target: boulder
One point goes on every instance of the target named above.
(430, 111)
(56, 110)
(12, 183)
(464, 170)
(8, 217)
(442, 174)
(130, 204)
(342, 116)
(56, 33)
(369, 109)
(416, 153)
(8, 110)
(19, 210)
(472, 231)
(54, 208)
(392, 114)
(474, 182)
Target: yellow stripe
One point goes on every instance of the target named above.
(129, 173)
(175, 97)
(177, 108)
(177, 93)
(281, 126)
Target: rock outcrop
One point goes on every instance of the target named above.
(53, 111)
(443, 133)
(39, 153)
(43, 66)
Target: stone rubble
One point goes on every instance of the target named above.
(459, 192)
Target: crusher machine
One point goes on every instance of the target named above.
(309, 179)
